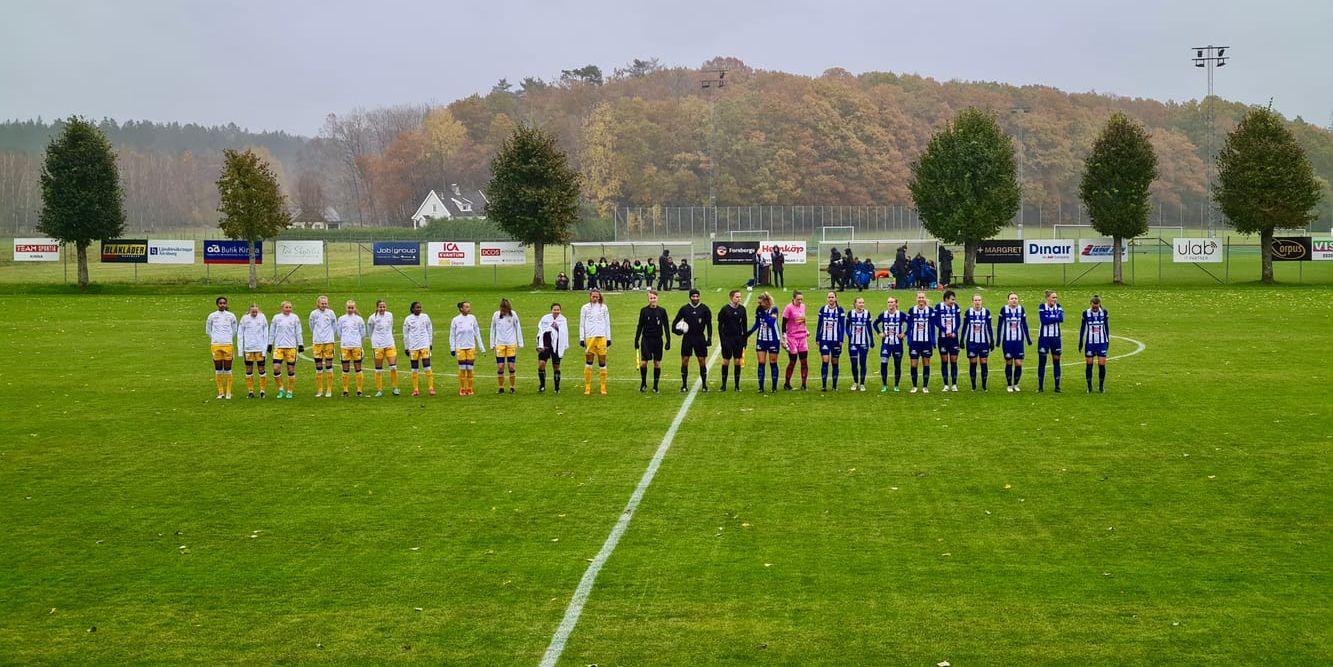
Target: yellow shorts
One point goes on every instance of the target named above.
(287, 354)
(506, 351)
(221, 352)
(255, 356)
(596, 345)
(390, 353)
(322, 351)
(418, 355)
(466, 355)
(352, 353)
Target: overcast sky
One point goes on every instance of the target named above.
(285, 64)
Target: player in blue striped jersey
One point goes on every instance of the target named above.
(891, 325)
(767, 340)
(1051, 315)
(980, 340)
(947, 320)
(921, 339)
(1094, 340)
(1011, 328)
(860, 337)
(829, 332)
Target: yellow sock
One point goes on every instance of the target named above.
(379, 380)
(360, 382)
(393, 377)
(228, 381)
(430, 378)
(462, 380)
(587, 376)
(319, 381)
(415, 385)
(249, 383)
(291, 383)
(217, 377)
(346, 381)
(601, 375)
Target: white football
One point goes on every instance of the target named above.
(682, 327)
(749, 288)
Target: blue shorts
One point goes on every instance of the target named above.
(948, 345)
(830, 349)
(1014, 349)
(978, 350)
(1048, 345)
(858, 349)
(887, 352)
(1095, 349)
(915, 350)
(766, 346)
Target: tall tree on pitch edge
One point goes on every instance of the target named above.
(82, 199)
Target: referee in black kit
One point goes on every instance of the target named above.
(733, 325)
(696, 338)
(649, 337)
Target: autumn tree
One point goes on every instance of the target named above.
(1117, 176)
(964, 184)
(534, 193)
(1265, 181)
(82, 199)
(252, 205)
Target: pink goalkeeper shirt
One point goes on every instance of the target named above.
(795, 316)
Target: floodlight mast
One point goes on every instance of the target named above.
(1209, 58)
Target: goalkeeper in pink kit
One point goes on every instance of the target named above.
(794, 338)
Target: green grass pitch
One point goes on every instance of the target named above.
(1181, 518)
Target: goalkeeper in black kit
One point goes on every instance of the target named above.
(694, 322)
(733, 327)
(649, 338)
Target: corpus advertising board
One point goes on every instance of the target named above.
(125, 251)
(1321, 250)
(1000, 252)
(502, 252)
(734, 252)
(298, 252)
(36, 250)
(1291, 249)
(170, 252)
(1048, 251)
(229, 251)
(451, 253)
(1101, 250)
(793, 252)
(396, 253)
(1196, 251)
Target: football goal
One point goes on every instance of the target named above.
(838, 234)
(748, 235)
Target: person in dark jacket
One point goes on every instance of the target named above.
(779, 263)
(684, 274)
(946, 266)
(580, 277)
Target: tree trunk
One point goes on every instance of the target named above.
(1117, 269)
(539, 264)
(1266, 255)
(254, 275)
(969, 262)
(82, 253)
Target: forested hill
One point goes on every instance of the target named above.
(645, 135)
(32, 136)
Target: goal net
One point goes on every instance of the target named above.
(836, 234)
(640, 251)
(748, 235)
(883, 255)
(1074, 232)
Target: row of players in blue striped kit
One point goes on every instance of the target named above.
(922, 329)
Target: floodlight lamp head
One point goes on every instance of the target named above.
(1222, 51)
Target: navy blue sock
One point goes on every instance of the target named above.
(1087, 373)
(835, 375)
(1009, 375)
(1101, 377)
(761, 376)
(972, 372)
(823, 373)
(1041, 371)
(914, 371)
(925, 376)
(1055, 371)
(773, 373)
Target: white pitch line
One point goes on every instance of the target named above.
(575, 608)
(1140, 346)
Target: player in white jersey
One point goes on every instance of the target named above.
(595, 338)
(980, 340)
(552, 343)
(286, 340)
(419, 340)
(380, 324)
(921, 339)
(351, 339)
(948, 320)
(1011, 328)
(252, 336)
(506, 340)
(1049, 316)
(464, 341)
(221, 329)
(891, 325)
(860, 336)
(323, 323)
(1094, 341)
